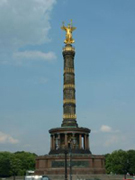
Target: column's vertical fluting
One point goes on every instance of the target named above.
(69, 102)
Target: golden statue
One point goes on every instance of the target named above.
(68, 29)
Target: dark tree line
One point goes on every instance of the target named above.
(120, 162)
(16, 164)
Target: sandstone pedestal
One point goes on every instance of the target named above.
(81, 164)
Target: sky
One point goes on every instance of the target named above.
(31, 72)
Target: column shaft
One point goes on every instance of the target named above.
(51, 139)
(58, 140)
(69, 102)
(88, 142)
(80, 141)
(85, 141)
(53, 142)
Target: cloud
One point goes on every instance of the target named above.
(23, 23)
(19, 57)
(6, 138)
(105, 128)
(36, 55)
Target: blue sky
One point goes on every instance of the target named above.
(31, 72)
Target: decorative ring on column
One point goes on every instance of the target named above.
(69, 116)
(69, 86)
(69, 101)
(69, 70)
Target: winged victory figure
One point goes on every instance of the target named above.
(69, 29)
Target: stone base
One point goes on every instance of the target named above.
(74, 151)
(81, 164)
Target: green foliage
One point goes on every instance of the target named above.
(131, 161)
(120, 162)
(27, 160)
(5, 164)
(13, 164)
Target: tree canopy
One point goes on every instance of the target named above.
(120, 162)
(13, 164)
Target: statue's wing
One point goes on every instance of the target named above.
(73, 28)
(63, 28)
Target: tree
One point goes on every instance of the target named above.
(27, 160)
(117, 162)
(131, 161)
(14, 164)
(5, 164)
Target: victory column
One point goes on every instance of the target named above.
(69, 134)
(69, 102)
(69, 138)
